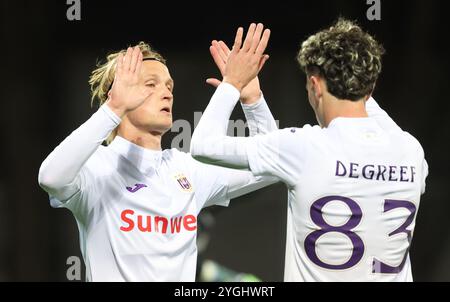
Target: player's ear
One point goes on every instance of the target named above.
(316, 88)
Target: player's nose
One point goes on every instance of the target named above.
(168, 95)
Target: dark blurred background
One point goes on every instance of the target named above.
(46, 61)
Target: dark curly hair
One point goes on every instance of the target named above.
(348, 58)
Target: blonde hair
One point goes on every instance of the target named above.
(102, 77)
(348, 58)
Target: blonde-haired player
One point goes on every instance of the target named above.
(354, 182)
(136, 206)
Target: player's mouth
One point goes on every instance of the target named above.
(166, 110)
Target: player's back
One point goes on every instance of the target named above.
(352, 209)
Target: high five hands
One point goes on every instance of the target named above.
(220, 52)
(246, 59)
(240, 66)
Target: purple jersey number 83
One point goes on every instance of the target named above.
(347, 229)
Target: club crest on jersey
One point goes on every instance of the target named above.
(183, 182)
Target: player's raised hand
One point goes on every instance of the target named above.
(128, 91)
(247, 59)
(220, 53)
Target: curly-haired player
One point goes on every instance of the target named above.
(354, 182)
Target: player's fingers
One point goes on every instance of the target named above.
(263, 43)
(134, 59)
(217, 59)
(263, 62)
(238, 40)
(249, 37)
(222, 54)
(127, 59)
(139, 63)
(119, 68)
(224, 48)
(218, 51)
(213, 82)
(256, 37)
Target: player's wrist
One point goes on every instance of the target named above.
(235, 83)
(118, 109)
(251, 99)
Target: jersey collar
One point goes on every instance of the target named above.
(144, 159)
(351, 121)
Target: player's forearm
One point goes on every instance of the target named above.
(210, 143)
(259, 118)
(61, 168)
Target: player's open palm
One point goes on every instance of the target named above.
(220, 53)
(247, 59)
(128, 91)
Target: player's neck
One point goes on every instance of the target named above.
(335, 108)
(147, 140)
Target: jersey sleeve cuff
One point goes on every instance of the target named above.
(229, 91)
(254, 106)
(110, 114)
(223, 203)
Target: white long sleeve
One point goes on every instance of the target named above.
(259, 118)
(210, 143)
(210, 140)
(59, 174)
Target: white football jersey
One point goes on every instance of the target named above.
(137, 211)
(354, 193)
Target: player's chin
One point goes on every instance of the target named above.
(165, 124)
(167, 121)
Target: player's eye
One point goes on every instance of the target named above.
(152, 85)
